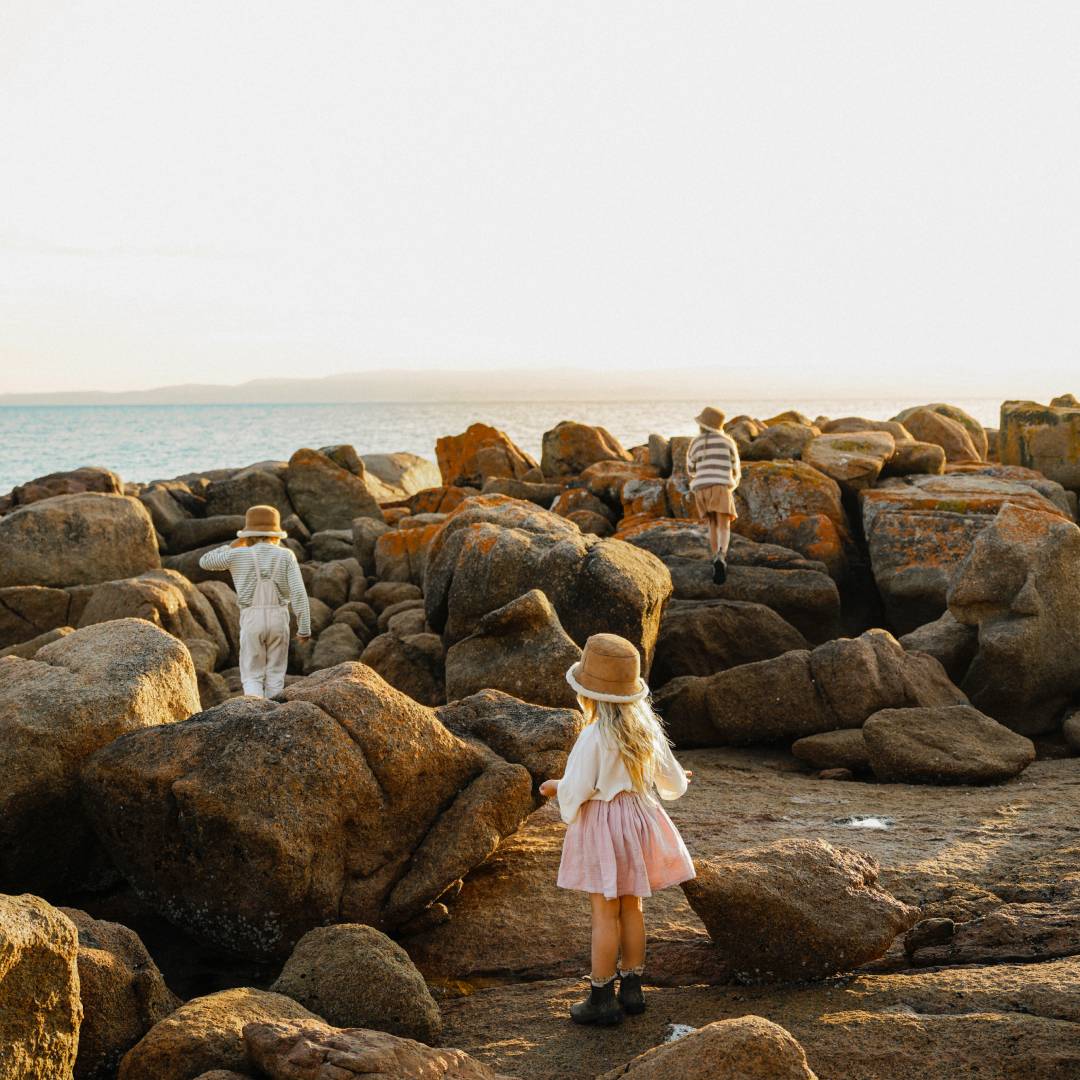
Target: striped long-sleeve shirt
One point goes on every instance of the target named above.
(713, 458)
(277, 563)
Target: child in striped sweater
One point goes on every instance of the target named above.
(712, 463)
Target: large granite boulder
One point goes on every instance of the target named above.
(794, 505)
(303, 1050)
(569, 448)
(40, 1011)
(476, 455)
(952, 744)
(72, 482)
(950, 642)
(327, 494)
(798, 589)
(166, 599)
(76, 540)
(77, 695)
(355, 976)
(796, 910)
(342, 801)
(27, 611)
(403, 473)
(844, 748)
(254, 486)
(492, 549)
(961, 441)
(122, 992)
(702, 637)
(1042, 437)
(207, 1033)
(837, 685)
(785, 440)
(521, 649)
(745, 1048)
(854, 460)
(414, 663)
(401, 554)
(1020, 585)
(193, 532)
(920, 528)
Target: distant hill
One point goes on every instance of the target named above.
(558, 384)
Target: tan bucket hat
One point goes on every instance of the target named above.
(711, 418)
(609, 670)
(262, 521)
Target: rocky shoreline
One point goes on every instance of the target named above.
(358, 877)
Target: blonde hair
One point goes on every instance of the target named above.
(251, 541)
(635, 731)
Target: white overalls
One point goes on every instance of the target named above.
(264, 638)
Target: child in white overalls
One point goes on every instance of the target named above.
(266, 577)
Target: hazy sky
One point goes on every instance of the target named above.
(854, 196)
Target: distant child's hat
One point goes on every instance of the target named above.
(262, 521)
(711, 418)
(609, 670)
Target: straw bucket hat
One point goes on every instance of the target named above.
(609, 670)
(711, 418)
(262, 521)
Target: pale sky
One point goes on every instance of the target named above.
(856, 196)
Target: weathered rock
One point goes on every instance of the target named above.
(492, 550)
(928, 425)
(337, 644)
(40, 1012)
(29, 649)
(1070, 728)
(702, 637)
(207, 1033)
(796, 909)
(951, 643)
(792, 504)
(841, 749)
(1020, 585)
(749, 1048)
(76, 540)
(590, 523)
(607, 480)
(402, 607)
(354, 976)
(480, 452)
(227, 609)
(308, 1051)
(166, 599)
(191, 533)
(249, 487)
(401, 554)
(440, 500)
(802, 693)
(122, 992)
(535, 736)
(798, 589)
(332, 545)
(570, 448)
(385, 594)
(975, 431)
(414, 664)
(168, 503)
(854, 460)
(74, 482)
(916, 457)
(521, 649)
(366, 533)
(26, 611)
(405, 474)
(543, 494)
(78, 694)
(1043, 437)
(953, 744)
(327, 495)
(337, 582)
(847, 425)
(921, 528)
(782, 441)
(348, 802)
(574, 500)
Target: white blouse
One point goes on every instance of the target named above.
(595, 770)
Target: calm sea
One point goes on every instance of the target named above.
(149, 442)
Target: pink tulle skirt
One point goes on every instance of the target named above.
(626, 847)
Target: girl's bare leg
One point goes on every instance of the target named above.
(714, 533)
(631, 933)
(605, 936)
(723, 533)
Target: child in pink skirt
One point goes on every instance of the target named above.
(620, 845)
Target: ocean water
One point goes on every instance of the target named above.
(150, 442)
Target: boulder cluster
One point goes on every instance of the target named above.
(902, 607)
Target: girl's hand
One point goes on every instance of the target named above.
(689, 774)
(549, 788)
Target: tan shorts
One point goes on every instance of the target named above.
(715, 499)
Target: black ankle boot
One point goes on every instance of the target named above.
(600, 1007)
(719, 570)
(631, 997)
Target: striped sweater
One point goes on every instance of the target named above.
(277, 563)
(713, 458)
